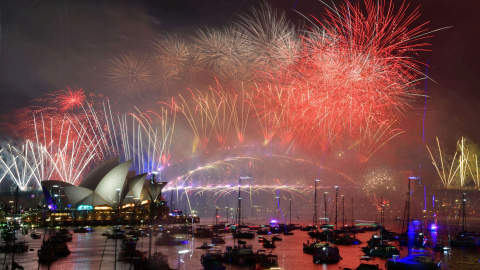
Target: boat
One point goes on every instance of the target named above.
(416, 240)
(60, 249)
(158, 261)
(129, 253)
(325, 253)
(308, 247)
(465, 238)
(205, 245)
(118, 233)
(290, 227)
(263, 231)
(36, 235)
(346, 239)
(17, 247)
(217, 239)
(46, 254)
(63, 235)
(308, 228)
(203, 232)
(168, 240)
(324, 235)
(243, 234)
(413, 262)
(440, 248)
(276, 238)
(241, 255)
(212, 260)
(382, 251)
(265, 261)
(365, 266)
(269, 244)
(9, 235)
(83, 230)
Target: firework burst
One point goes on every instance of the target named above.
(130, 73)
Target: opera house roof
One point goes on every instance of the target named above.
(107, 184)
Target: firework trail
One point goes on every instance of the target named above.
(446, 169)
(373, 139)
(239, 111)
(147, 139)
(61, 145)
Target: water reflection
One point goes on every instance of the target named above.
(94, 251)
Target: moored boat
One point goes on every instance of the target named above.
(36, 235)
(83, 230)
(413, 262)
(217, 239)
(265, 261)
(241, 255)
(326, 253)
(212, 260)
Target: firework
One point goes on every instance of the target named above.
(372, 140)
(354, 69)
(224, 51)
(147, 139)
(239, 110)
(129, 73)
(446, 169)
(272, 38)
(209, 113)
(69, 99)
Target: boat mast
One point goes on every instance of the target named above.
(407, 210)
(325, 203)
(381, 215)
(464, 216)
(239, 207)
(343, 209)
(15, 230)
(315, 205)
(352, 212)
(336, 207)
(216, 216)
(226, 211)
(290, 212)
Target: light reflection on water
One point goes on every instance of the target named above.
(87, 249)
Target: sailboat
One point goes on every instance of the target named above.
(414, 237)
(377, 246)
(465, 238)
(290, 227)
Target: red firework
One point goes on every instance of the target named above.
(70, 99)
(356, 69)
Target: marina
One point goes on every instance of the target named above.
(94, 251)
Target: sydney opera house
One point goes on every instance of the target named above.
(110, 194)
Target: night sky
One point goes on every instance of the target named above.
(46, 45)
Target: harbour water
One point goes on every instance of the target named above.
(94, 251)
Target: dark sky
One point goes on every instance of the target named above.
(46, 45)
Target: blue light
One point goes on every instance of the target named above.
(433, 227)
(84, 207)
